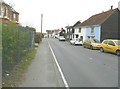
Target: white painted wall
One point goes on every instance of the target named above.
(83, 29)
(82, 33)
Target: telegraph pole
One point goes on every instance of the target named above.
(41, 25)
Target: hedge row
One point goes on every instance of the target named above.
(38, 37)
(0, 44)
(16, 42)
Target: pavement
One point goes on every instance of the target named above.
(43, 71)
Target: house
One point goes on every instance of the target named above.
(74, 32)
(55, 32)
(78, 32)
(7, 13)
(69, 32)
(62, 32)
(49, 33)
(102, 26)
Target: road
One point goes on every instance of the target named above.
(84, 67)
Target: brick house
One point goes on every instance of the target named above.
(7, 13)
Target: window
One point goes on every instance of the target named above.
(92, 30)
(2, 11)
(73, 30)
(95, 41)
(80, 30)
(105, 42)
(111, 43)
(14, 16)
(77, 36)
(117, 42)
(6, 11)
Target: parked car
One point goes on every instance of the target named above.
(111, 45)
(56, 36)
(61, 38)
(72, 41)
(76, 42)
(92, 44)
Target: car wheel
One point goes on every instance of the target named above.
(101, 49)
(84, 46)
(74, 44)
(118, 52)
(91, 47)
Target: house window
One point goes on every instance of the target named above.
(77, 36)
(2, 11)
(79, 30)
(6, 11)
(73, 30)
(14, 16)
(92, 30)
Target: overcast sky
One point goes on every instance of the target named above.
(58, 13)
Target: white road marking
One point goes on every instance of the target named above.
(61, 73)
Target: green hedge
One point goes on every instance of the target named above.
(38, 37)
(0, 38)
(16, 42)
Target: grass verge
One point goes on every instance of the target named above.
(16, 76)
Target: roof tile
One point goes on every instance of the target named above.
(98, 18)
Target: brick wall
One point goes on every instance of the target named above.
(8, 13)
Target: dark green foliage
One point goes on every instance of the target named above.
(38, 37)
(0, 41)
(16, 42)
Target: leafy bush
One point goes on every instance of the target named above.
(16, 42)
(38, 37)
(0, 40)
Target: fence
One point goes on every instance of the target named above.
(16, 42)
(0, 41)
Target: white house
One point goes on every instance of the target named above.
(79, 33)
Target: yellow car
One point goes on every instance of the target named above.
(110, 45)
(92, 44)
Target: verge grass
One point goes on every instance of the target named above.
(16, 76)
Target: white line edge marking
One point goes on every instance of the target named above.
(61, 73)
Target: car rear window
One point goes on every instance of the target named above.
(95, 41)
(117, 42)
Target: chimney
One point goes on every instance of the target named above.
(111, 7)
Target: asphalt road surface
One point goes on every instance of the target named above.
(84, 67)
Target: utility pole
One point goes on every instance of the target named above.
(41, 25)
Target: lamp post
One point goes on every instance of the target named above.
(41, 25)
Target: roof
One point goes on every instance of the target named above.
(98, 18)
(78, 23)
(3, 3)
(56, 30)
